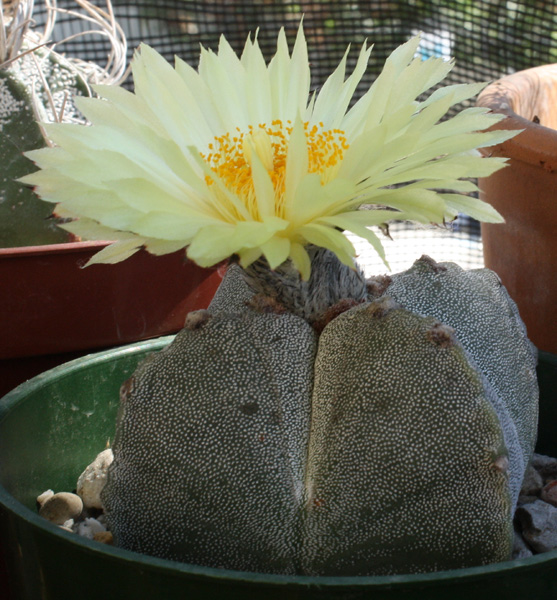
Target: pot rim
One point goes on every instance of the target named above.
(8, 402)
(46, 249)
(536, 144)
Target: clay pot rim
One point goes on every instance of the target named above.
(63, 248)
(536, 144)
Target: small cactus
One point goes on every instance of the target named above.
(24, 218)
(37, 86)
(380, 442)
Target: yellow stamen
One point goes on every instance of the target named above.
(230, 157)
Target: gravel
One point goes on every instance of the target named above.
(535, 519)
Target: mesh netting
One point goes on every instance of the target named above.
(488, 38)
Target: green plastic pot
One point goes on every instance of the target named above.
(52, 426)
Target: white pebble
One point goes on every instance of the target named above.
(44, 497)
(61, 507)
(89, 528)
(92, 481)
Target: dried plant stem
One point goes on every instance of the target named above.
(16, 30)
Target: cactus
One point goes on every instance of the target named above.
(366, 436)
(24, 218)
(309, 422)
(37, 86)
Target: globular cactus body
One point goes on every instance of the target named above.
(370, 442)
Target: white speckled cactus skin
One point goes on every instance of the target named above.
(24, 218)
(488, 325)
(225, 451)
(407, 465)
(372, 440)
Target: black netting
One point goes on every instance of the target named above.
(488, 38)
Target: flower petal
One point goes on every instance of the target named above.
(300, 259)
(276, 250)
(327, 237)
(297, 89)
(224, 76)
(314, 200)
(257, 84)
(334, 97)
(167, 95)
(264, 189)
(212, 245)
(116, 252)
(279, 71)
(477, 209)
(296, 166)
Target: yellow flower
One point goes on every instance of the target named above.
(239, 158)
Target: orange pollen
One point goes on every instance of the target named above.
(228, 158)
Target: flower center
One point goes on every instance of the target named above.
(230, 156)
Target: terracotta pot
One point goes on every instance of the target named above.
(51, 309)
(523, 251)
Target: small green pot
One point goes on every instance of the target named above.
(52, 426)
